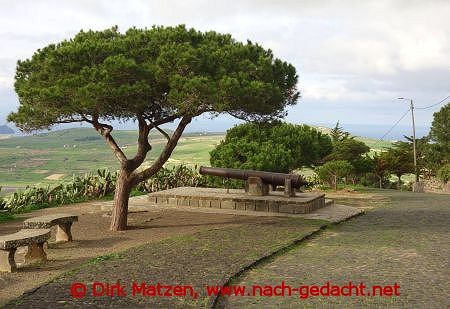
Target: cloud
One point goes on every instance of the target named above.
(350, 54)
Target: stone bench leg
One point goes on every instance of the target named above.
(7, 262)
(63, 232)
(36, 253)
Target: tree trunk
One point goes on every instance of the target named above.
(335, 183)
(121, 196)
(380, 179)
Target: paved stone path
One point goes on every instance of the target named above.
(406, 241)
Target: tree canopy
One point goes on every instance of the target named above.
(440, 127)
(399, 160)
(440, 135)
(338, 134)
(152, 76)
(349, 150)
(158, 73)
(333, 171)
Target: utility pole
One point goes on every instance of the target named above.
(417, 186)
(416, 170)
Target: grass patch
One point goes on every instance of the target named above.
(103, 258)
(6, 216)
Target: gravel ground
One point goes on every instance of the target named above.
(403, 238)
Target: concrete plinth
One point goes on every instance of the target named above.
(275, 202)
(257, 187)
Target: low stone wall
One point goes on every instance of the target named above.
(237, 199)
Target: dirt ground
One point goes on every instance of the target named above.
(92, 238)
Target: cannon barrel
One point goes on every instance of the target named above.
(276, 179)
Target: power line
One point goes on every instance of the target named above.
(404, 115)
(389, 131)
(430, 106)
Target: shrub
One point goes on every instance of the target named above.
(271, 146)
(444, 173)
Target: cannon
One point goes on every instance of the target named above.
(257, 182)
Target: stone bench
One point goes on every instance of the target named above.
(63, 221)
(33, 238)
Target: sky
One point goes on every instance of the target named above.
(353, 58)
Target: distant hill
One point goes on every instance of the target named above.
(374, 144)
(37, 159)
(4, 129)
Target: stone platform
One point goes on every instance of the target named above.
(276, 202)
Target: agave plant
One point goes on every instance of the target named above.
(2, 201)
(177, 176)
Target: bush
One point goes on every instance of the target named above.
(370, 180)
(444, 173)
(271, 146)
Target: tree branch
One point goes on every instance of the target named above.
(163, 132)
(69, 120)
(165, 154)
(154, 124)
(143, 145)
(105, 131)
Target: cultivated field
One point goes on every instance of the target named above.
(56, 156)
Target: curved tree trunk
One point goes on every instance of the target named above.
(128, 176)
(121, 196)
